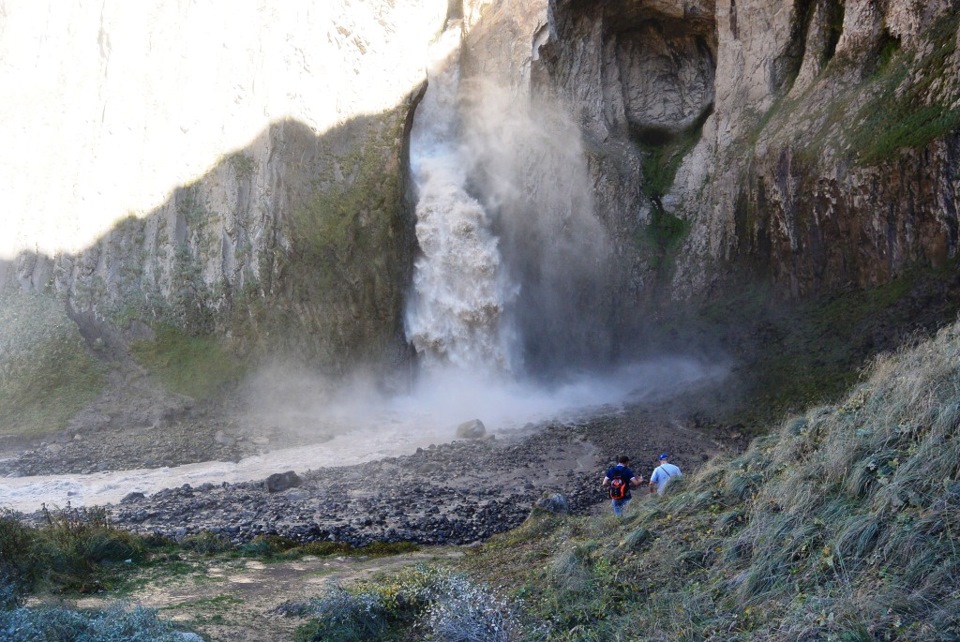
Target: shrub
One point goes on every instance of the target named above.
(116, 624)
(462, 611)
(74, 544)
(69, 551)
(443, 606)
(207, 543)
(344, 616)
(19, 566)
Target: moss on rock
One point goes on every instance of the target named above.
(46, 372)
(195, 366)
(337, 294)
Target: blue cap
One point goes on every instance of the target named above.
(664, 456)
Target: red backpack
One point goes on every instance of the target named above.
(618, 487)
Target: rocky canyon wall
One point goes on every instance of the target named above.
(241, 170)
(223, 167)
(832, 163)
(810, 144)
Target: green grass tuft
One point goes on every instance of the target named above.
(194, 366)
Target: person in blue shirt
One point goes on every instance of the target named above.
(663, 473)
(624, 475)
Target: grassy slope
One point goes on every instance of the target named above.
(197, 366)
(843, 524)
(46, 374)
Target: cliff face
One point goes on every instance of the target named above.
(850, 176)
(221, 168)
(812, 144)
(249, 180)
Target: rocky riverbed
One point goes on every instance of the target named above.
(453, 493)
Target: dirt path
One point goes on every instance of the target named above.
(236, 600)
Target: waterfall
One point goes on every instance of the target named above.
(455, 315)
(514, 274)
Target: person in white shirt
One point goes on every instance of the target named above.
(663, 473)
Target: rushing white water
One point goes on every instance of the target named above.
(513, 276)
(460, 287)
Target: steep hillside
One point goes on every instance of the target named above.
(840, 525)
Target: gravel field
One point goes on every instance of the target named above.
(449, 493)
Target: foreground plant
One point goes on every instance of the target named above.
(71, 550)
(116, 624)
(431, 603)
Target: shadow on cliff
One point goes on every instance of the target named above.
(299, 244)
(297, 248)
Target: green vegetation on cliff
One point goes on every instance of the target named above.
(196, 366)
(881, 101)
(349, 251)
(661, 161)
(46, 373)
(915, 97)
(660, 239)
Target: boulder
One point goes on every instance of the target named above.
(554, 503)
(473, 429)
(282, 481)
